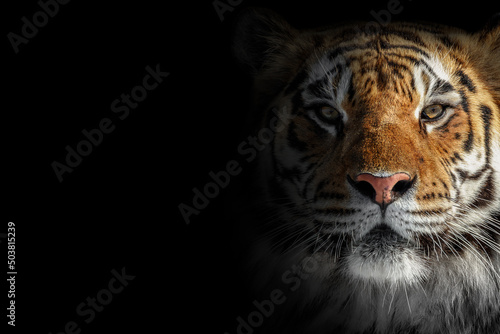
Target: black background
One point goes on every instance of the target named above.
(119, 207)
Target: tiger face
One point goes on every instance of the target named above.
(388, 167)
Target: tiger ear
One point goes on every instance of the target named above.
(491, 32)
(486, 52)
(258, 35)
(494, 23)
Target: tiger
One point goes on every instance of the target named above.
(378, 200)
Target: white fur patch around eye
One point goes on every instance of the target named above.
(324, 66)
(335, 76)
(329, 128)
(426, 78)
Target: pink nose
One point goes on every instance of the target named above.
(384, 186)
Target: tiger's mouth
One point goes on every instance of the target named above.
(382, 237)
(384, 255)
(381, 247)
(382, 229)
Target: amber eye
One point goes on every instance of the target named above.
(433, 112)
(328, 114)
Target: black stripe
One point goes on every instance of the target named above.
(467, 146)
(304, 73)
(427, 82)
(427, 212)
(406, 35)
(411, 59)
(382, 77)
(457, 156)
(466, 81)
(321, 88)
(318, 87)
(351, 91)
(447, 41)
(289, 174)
(329, 195)
(338, 211)
(444, 184)
(309, 167)
(407, 47)
(342, 49)
(406, 89)
(453, 180)
(395, 72)
(398, 67)
(442, 87)
(320, 132)
(445, 125)
(486, 195)
(372, 45)
(309, 180)
(464, 175)
(312, 177)
(486, 116)
(412, 84)
(428, 68)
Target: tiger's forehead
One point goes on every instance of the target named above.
(369, 72)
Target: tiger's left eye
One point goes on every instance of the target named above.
(433, 112)
(328, 114)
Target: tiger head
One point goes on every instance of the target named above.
(386, 168)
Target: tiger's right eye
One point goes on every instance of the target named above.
(328, 114)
